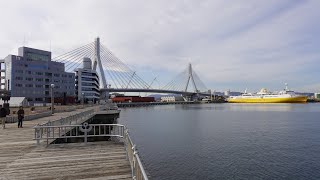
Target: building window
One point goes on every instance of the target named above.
(56, 81)
(29, 79)
(28, 72)
(48, 74)
(39, 99)
(19, 78)
(3, 66)
(19, 71)
(86, 89)
(86, 74)
(39, 79)
(56, 75)
(39, 86)
(19, 85)
(39, 73)
(86, 79)
(86, 84)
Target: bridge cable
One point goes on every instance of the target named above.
(126, 72)
(137, 79)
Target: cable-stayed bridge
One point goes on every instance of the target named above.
(116, 76)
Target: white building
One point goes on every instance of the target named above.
(17, 101)
(227, 93)
(168, 99)
(87, 82)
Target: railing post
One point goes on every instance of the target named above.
(85, 128)
(134, 162)
(49, 124)
(125, 137)
(48, 135)
(37, 134)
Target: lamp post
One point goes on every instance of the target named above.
(52, 99)
(82, 99)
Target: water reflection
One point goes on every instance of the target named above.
(275, 107)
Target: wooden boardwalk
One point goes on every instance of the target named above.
(21, 158)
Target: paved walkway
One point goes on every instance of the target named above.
(20, 158)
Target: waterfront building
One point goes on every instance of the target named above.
(87, 82)
(31, 73)
(317, 95)
(124, 99)
(168, 99)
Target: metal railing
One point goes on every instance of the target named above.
(13, 119)
(77, 131)
(137, 169)
(86, 131)
(73, 119)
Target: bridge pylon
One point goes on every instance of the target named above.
(97, 61)
(190, 77)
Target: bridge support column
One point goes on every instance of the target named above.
(97, 62)
(104, 95)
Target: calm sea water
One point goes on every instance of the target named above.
(227, 141)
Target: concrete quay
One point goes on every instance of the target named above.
(21, 158)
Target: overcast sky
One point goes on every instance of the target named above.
(231, 44)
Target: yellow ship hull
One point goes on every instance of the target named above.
(298, 99)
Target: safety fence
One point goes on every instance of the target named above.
(46, 133)
(13, 119)
(73, 119)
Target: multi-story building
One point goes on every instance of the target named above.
(87, 82)
(31, 73)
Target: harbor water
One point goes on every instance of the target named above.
(227, 141)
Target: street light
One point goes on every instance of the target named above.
(82, 100)
(52, 99)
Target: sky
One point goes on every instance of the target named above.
(236, 45)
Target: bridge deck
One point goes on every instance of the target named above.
(20, 158)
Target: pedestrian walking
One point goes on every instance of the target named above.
(3, 114)
(20, 116)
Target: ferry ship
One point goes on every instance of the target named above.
(263, 96)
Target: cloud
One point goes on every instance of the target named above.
(232, 45)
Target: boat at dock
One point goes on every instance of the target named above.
(263, 96)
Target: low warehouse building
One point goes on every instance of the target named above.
(132, 99)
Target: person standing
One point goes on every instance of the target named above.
(3, 114)
(20, 116)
